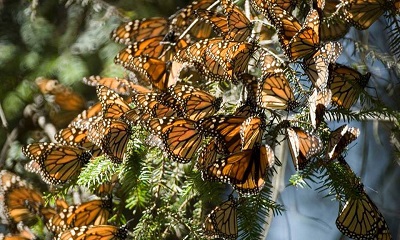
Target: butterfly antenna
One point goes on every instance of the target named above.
(126, 225)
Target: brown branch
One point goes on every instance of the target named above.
(10, 139)
(3, 118)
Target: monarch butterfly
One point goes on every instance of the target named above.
(226, 129)
(184, 17)
(213, 70)
(61, 204)
(152, 70)
(105, 189)
(275, 92)
(346, 83)
(9, 179)
(316, 66)
(77, 138)
(318, 102)
(206, 65)
(245, 170)
(112, 137)
(251, 132)
(250, 84)
(269, 63)
(21, 236)
(382, 231)
(20, 200)
(154, 47)
(201, 30)
(65, 97)
(195, 103)
(302, 146)
(137, 117)
(193, 54)
(58, 222)
(287, 25)
(85, 125)
(222, 51)
(362, 14)
(130, 32)
(99, 232)
(339, 139)
(222, 221)
(56, 163)
(93, 111)
(247, 109)
(360, 218)
(22, 204)
(297, 40)
(218, 21)
(238, 57)
(150, 47)
(24, 233)
(46, 213)
(95, 212)
(156, 105)
(50, 212)
(180, 137)
(307, 40)
(208, 155)
(119, 85)
(333, 25)
(232, 24)
(226, 60)
(63, 104)
(149, 106)
(263, 6)
(113, 106)
(333, 28)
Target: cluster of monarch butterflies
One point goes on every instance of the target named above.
(22, 205)
(217, 41)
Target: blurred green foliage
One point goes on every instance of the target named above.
(63, 40)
